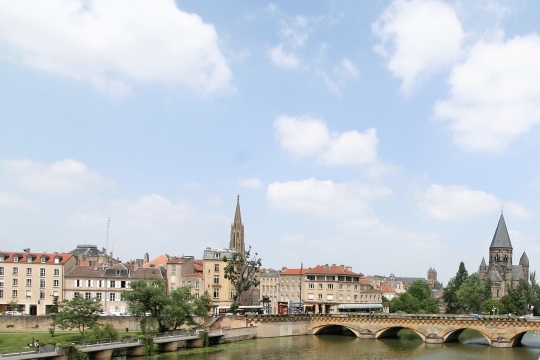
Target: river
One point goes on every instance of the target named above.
(323, 347)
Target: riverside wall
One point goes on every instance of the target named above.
(30, 323)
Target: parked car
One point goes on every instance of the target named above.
(527, 317)
(475, 316)
(13, 313)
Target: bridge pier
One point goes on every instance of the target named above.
(433, 339)
(136, 351)
(100, 355)
(168, 346)
(501, 342)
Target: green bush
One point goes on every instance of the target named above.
(102, 332)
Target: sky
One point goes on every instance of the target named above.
(384, 135)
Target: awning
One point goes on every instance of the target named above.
(359, 306)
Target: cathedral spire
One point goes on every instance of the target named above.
(501, 239)
(237, 231)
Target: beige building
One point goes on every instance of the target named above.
(32, 280)
(269, 286)
(185, 271)
(220, 289)
(107, 283)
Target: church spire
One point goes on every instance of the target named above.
(501, 239)
(237, 231)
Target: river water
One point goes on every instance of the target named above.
(323, 347)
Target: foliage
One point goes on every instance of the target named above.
(508, 304)
(53, 311)
(472, 294)
(494, 307)
(416, 300)
(242, 271)
(149, 301)
(449, 295)
(77, 313)
(13, 304)
(102, 332)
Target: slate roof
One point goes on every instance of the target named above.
(517, 271)
(494, 277)
(87, 251)
(501, 239)
(111, 272)
(330, 270)
(524, 260)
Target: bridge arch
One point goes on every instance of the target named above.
(320, 328)
(454, 334)
(393, 330)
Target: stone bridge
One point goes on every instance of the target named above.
(435, 329)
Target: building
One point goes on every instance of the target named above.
(185, 271)
(220, 289)
(106, 283)
(290, 290)
(500, 270)
(332, 289)
(90, 255)
(269, 286)
(32, 280)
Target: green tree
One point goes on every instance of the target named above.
(77, 313)
(148, 301)
(53, 310)
(416, 300)
(472, 294)
(102, 332)
(242, 271)
(534, 299)
(449, 294)
(508, 304)
(493, 306)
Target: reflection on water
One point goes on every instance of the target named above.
(407, 346)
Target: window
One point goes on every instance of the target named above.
(56, 272)
(340, 297)
(43, 260)
(330, 286)
(15, 282)
(28, 271)
(112, 296)
(355, 297)
(78, 283)
(42, 294)
(123, 284)
(329, 297)
(15, 258)
(98, 296)
(320, 286)
(112, 284)
(311, 286)
(56, 283)
(348, 287)
(355, 287)
(320, 296)
(42, 272)
(15, 271)
(1, 294)
(89, 283)
(310, 297)
(216, 267)
(57, 260)
(216, 279)
(340, 286)
(28, 293)
(1, 282)
(28, 282)
(217, 255)
(87, 296)
(216, 293)
(196, 284)
(42, 283)
(348, 297)
(100, 283)
(14, 293)
(76, 294)
(55, 293)
(2, 258)
(1, 271)
(29, 259)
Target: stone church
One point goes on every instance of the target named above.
(500, 270)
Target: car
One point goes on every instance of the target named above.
(527, 317)
(475, 316)
(13, 313)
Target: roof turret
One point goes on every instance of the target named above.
(524, 260)
(501, 239)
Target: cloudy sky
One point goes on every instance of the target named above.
(385, 135)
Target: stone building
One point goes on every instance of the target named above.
(500, 269)
(269, 286)
(32, 280)
(185, 271)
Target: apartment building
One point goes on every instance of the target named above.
(269, 286)
(185, 271)
(107, 283)
(220, 289)
(32, 280)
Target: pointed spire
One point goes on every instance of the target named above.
(524, 260)
(501, 239)
(483, 263)
(237, 215)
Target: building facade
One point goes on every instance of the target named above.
(185, 271)
(30, 281)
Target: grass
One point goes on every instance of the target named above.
(21, 340)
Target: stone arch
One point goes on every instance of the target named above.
(393, 330)
(318, 328)
(453, 334)
(516, 339)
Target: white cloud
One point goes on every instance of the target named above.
(151, 210)
(61, 177)
(283, 59)
(15, 201)
(112, 43)
(495, 94)
(450, 203)
(319, 198)
(295, 31)
(418, 38)
(332, 86)
(347, 68)
(251, 183)
(307, 136)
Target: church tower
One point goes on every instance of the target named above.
(500, 250)
(237, 231)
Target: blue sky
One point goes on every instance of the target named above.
(385, 135)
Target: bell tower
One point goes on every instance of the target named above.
(237, 231)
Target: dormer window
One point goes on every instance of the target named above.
(16, 258)
(57, 260)
(29, 259)
(217, 255)
(2, 257)
(118, 272)
(43, 259)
